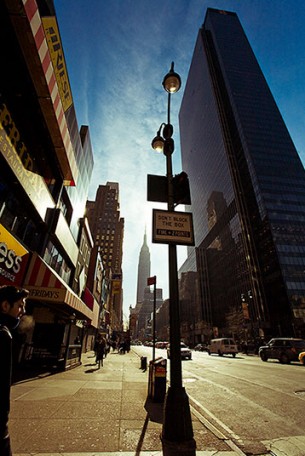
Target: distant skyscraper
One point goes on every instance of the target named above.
(247, 185)
(143, 270)
(107, 228)
(145, 315)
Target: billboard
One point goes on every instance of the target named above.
(13, 259)
(58, 60)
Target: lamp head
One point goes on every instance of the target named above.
(172, 81)
(158, 143)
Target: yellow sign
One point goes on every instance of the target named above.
(116, 286)
(58, 60)
(13, 258)
(11, 242)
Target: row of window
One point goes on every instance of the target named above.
(291, 248)
(298, 287)
(57, 262)
(300, 261)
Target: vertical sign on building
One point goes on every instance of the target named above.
(58, 60)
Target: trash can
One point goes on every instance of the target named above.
(143, 363)
(157, 379)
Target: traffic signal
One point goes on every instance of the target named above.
(181, 188)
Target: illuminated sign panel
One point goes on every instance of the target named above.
(58, 60)
(13, 259)
(15, 154)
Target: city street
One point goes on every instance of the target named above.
(253, 402)
(88, 411)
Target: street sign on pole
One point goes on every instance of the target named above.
(173, 227)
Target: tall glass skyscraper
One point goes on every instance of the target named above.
(247, 185)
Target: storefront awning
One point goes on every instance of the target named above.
(46, 285)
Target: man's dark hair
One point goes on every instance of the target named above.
(12, 294)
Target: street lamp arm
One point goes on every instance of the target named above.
(160, 128)
(163, 142)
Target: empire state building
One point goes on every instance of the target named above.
(143, 270)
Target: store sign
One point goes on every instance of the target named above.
(13, 259)
(16, 156)
(47, 294)
(58, 60)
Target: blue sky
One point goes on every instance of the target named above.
(117, 53)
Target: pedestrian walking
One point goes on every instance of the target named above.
(12, 307)
(122, 347)
(100, 351)
(107, 348)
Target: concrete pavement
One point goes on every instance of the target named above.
(92, 412)
(105, 412)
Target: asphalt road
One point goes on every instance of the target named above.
(251, 401)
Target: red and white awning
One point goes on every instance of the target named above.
(45, 285)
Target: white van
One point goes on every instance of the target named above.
(224, 346)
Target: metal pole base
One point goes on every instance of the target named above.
(178, 448)
(177, 432)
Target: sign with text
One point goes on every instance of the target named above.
(173, 227)
(13, 259)
(58, 60)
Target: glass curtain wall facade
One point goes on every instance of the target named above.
(247, 186)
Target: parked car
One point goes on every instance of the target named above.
(284, 349)
(184, 351)
(223, 346)
(201, 347)
(302, 358)
(163, 344)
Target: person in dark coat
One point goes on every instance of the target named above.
(100, 351)
(12, 307)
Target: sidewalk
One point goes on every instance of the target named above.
(93, 412)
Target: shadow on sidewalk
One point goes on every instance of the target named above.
(154, 410)
(91, 371)
(155, 414)
(23, 374)
(141, 439)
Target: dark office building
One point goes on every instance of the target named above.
(248, 189)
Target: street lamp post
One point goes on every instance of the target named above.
(177, 432)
